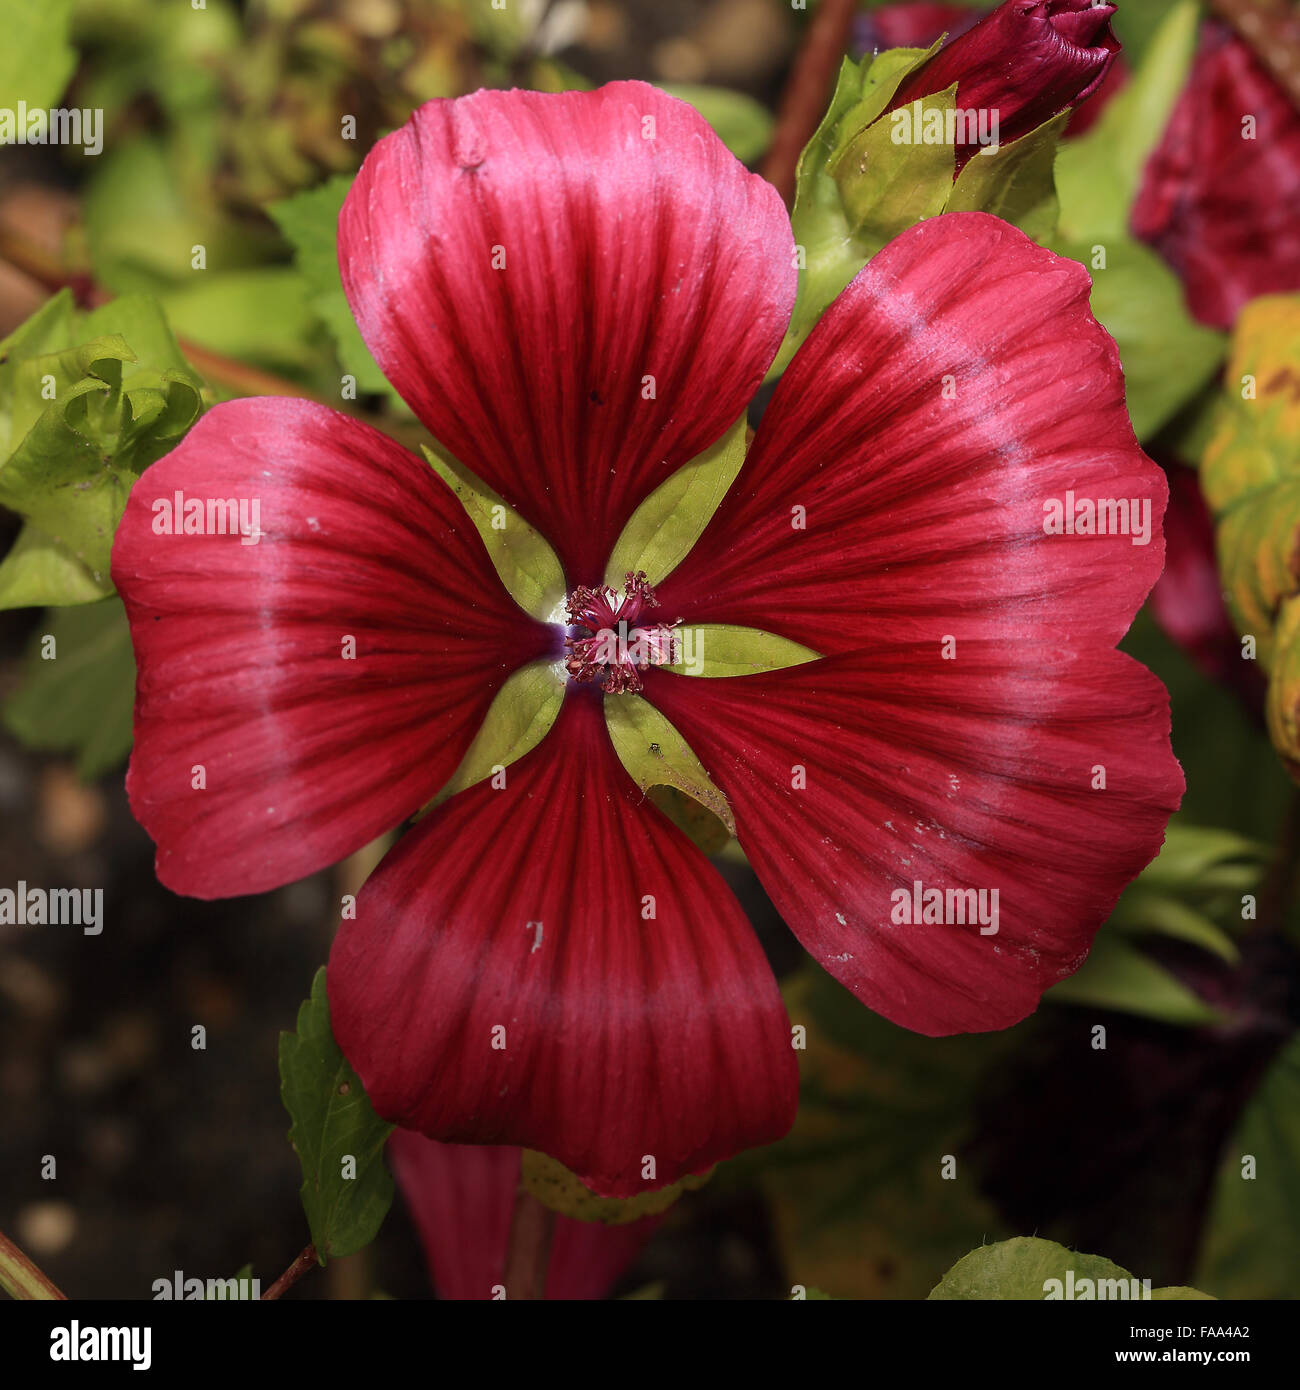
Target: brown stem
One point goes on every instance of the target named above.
(290, 1277)
(227, 371)
(1271, 30)
(803, 103)
(21, 1278)
(529, 1251)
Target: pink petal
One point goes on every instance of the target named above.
(971, 773)
(626, 258)
(462, 1197)
(625, 1035)
(925, 515)
(240, 646)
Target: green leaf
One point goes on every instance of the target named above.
(333, 1121)
(78, 699)
(36, 59)
(662, 530)
(1249, 1242)
(518, 719)
(310, 222)
(742, 124)
(1192, 890)
(1015, 181)
(557, 1188)
(525, 561)
(40, 572)
(1118, 976)
(1168, 357)
(1164, 916)
(656, 755)
(87, 425)
(721, 649)
(1027, 1268)
(50, 329)
(261, 316)
(1097, 175)
(67, 472)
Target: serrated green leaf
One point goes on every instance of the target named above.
(523, 558)
(1249, 1242)
(36, 59)
(656, 755)
(741, 123)
(333, 1120)
(1168, 357)
(1118, 976)
(662, 530)
(310, 222)
(80, 699)
(557, 1188)
(1097, 174)
(1028, 1268)
(517, 720)
(85, 426)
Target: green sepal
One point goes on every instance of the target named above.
(523, 558)
(660, 533)
(555, 1187)
(656, 755)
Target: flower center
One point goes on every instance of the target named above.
(609, 642)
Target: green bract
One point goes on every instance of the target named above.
(860, 184)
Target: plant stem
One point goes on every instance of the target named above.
(803, 103)
(300, 1266)
(22, 1279)
(529, 1251)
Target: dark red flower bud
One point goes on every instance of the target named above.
(1219, 197)
(1026, 61)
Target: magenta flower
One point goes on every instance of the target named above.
(551, 963)
(1220, 195)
